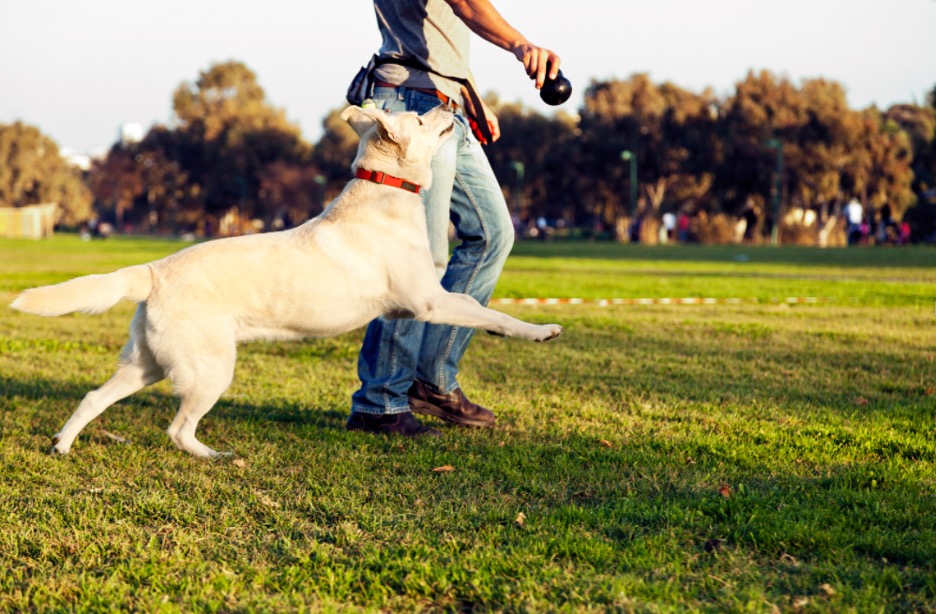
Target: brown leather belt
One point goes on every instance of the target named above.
(425, 90)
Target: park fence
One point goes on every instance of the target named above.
(30, 222)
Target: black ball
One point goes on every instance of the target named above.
(556, 91)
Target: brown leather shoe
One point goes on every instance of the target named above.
(404, 424)
(453, 407)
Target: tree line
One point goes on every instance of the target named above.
(230, 162)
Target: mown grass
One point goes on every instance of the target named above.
(657, 458)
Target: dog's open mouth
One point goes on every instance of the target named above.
(448, 129)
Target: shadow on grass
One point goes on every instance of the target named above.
(637, 503)
(911, 257)
(581, 492)
(281, 411)
(761, 369)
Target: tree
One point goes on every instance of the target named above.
(831, 153)
(890, 157)
(820, 145)
(117, 181)
(227, 147)
(32, 171)
(227, 134)
(762, 108)
(920, 125)
(541, 145)
(671, 132)
(335, 150)
(291, 192)
(142, 184)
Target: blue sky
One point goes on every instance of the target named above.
(78, 69)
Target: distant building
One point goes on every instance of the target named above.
(30, 222)
(130, 133)
(78, 160)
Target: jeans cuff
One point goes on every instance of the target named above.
(379, 411)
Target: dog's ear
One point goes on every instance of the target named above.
(363, 120)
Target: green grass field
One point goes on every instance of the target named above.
(752, 457)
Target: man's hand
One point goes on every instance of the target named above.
(492, 121)
(536, 60)
(484, 20)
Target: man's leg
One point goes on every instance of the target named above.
(483, 225)
(390, 352)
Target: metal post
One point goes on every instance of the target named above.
(777, 190)
(519, 171)
(320, 183)
(629, 156)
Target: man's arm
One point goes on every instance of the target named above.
(484, 20)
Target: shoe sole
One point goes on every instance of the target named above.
(428, 409)
(429, 432)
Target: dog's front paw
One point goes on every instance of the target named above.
(549, 331)
(58, 448)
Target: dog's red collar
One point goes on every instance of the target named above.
(384, 178)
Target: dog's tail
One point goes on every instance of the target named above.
(89, 294)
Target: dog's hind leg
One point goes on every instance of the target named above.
(200, 387)
(137, 370)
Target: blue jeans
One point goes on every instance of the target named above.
(465, 191)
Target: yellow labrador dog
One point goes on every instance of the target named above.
(366, 255)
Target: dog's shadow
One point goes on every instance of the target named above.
(36, 390)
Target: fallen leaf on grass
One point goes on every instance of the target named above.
(444, 469)
(827, 588)
(605, 443)
(725, 491)
(800, 602)
(239, 463)
(267, 501)
(520, 519)
(861, 401)
(789, 560)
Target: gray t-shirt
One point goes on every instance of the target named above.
(427, 32)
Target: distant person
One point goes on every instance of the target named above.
(887, 216)
(633, 231)
(867, 230)
(750, 218)
(669, 226)
(542, 228)
(682, 227)
(407, 366)
(888, 232)
(854, 213)
(904, 233)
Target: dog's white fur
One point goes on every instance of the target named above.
(366, 255)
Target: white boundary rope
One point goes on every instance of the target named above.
(604, 302)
